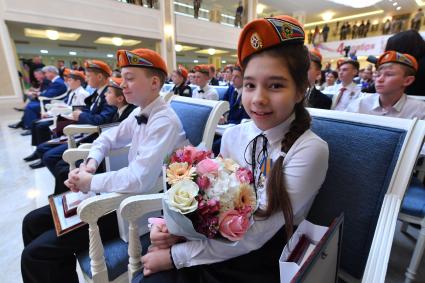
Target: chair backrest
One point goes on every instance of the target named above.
(221, 90)
(199, 117)
(364, 156)
(167, 87)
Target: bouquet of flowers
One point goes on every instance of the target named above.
(207, 198)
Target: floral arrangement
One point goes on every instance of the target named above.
(208, 197)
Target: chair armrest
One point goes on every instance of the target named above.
(71, 155)
(43, 98)
(89, 211)
(131, 209)
(79, 129)
(85, 146)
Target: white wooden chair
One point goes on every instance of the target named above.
(52, 100)
(342, 191)
(199, 119)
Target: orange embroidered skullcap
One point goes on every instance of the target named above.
(343, 61)
(315, 55)
(66, 72)
(77, 75)
(205, 69)
(261, 34)
(400, 58)
(182, 71)
(141, 57)
(99, 65)
(115, 82)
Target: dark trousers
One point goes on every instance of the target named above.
(40, 132)
(261, 265)
(31, 113)
(51, 154)
(48, 258)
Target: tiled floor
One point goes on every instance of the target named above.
(23, 189)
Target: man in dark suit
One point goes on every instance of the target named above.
(97, 112)
(213, 79)
(315, 98)
(32, 109)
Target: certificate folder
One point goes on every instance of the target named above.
(312, 254)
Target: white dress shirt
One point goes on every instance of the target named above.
(150, 144)
(208, 93)
(341, 101)
(405, 107)
(77, 97)
(304, 171)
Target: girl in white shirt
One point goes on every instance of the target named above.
(275, 64)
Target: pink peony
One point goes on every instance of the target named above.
(233, 224)
(244, 175)
(203, 182)
(207, 166)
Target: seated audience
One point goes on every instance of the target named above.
(234, 96)
(96, 112)
(315, 98)
(153, 130)
(179, 78)
(330, 79)
(396, 71)
(203, 90)
(347, 90)
(227, 75)
(32, 109)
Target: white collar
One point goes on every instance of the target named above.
(55, 78)
(398, 106)
(274, 134)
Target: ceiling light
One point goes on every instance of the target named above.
(357, 3)
(110, 55)
(361, 15)
(398, 8)
(73, 53)
(195, 61)
(420, 2)
(390, 0)
(52, 34)
(178, 47)
(223, 61)
(375, 22)
(395, 4)
(211, 51)
(327, 16)
(44, 51)
(116, 40)
(260, 8)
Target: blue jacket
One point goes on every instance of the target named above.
(98, 111)
(237, 111)
(55, 89)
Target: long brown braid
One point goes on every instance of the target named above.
(297, 60)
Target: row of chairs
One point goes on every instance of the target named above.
(370, 165)
(221, 90)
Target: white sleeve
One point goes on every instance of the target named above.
(115, 138)
(212, 94)
(304, 174)
(140, 176)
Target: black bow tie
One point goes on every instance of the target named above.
(141, 119)
(201, 91)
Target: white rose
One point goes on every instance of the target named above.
(181, 196)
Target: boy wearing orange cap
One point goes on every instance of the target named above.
(76, 80)
(346, 91)
(179, 78)
(396, 71)
(315, 98)
(153, 130)
(201, 78)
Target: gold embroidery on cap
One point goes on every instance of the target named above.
(287, 31)
(256, 41)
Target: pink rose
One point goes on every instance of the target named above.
(207, 166)
(233, 225)
(244, 175)
(203, 182)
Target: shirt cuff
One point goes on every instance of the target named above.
(178, 251)
(96, 155)
(96, 184)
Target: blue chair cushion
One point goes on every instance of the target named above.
(361, 162)
(414, 199)
(221, 90)
(116, 258)
(193, 117)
